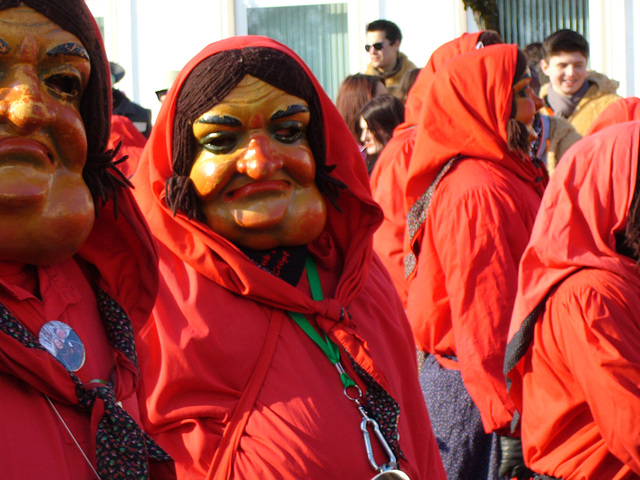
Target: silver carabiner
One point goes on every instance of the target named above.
(364, 427)
(387, 471)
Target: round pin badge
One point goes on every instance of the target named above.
(64, 344)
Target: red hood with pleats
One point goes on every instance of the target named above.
(214, 309)
(623, 110)
(388, 177)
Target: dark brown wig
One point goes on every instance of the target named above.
(517, 134)
(628, 241)
(208, 84)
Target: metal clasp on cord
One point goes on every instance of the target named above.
(388, 471)
(364, 428)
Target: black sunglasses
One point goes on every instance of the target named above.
(378, 46)
(161, 93)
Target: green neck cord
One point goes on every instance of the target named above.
(329, 348)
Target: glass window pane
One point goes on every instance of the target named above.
(318, 33)
(526, 21)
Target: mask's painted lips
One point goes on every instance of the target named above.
(257, 187)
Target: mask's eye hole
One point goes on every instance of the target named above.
(219, 142)
(65, 85)
(289, 132)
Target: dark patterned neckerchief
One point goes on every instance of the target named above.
(286, 263)
(382, 407)
(123, 450)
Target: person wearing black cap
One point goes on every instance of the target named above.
(77, 264)
(140, 116)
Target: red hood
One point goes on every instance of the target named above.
(623, 110)
(587, 200)
(463, 44)
(469, 107)
(347, 235)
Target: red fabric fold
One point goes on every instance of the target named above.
(477, 225)
(584, 355)
(214, 309)
(623, 110)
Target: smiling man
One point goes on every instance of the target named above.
(385, 59)
(573, 92)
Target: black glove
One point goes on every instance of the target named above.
(512, 462)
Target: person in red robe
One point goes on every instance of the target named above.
(129, 141)
(472, 195)
(259, 199)
(623, 110)
(573, 358)
(77, 263)
(389, 175)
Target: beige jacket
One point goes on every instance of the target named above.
(561, 136)
(392, 79)
(601, 93)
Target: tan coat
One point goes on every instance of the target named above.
(561, 136)
(601, 93)
(392, 79)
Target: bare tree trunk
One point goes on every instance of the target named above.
(485, 13)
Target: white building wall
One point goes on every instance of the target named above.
(425, 25)
(151, 37)
(614, 42)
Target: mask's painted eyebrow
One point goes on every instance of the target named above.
(73, 49)
(290, 110)
(220, 120)
(4, 47)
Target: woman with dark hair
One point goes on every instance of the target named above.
(272, 305)
(408, 79)
(378, 118)
(573, 357)
(76, 258)
(354, 93)
(472, 194)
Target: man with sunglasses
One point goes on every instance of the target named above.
(386, 60)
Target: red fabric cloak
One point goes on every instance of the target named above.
(577, 386)
(462, 288)
(623, 110)
(389, 175)
(216, 306)
(119, 258)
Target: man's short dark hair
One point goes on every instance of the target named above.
(565, 41)
(390, 29)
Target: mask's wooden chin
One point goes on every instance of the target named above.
(49, 231)
(304, 221)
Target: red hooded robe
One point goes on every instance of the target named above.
(577, 385)
(389, 175)
(215, 309)
(623, 110)
(41, 418)
(462, 289)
